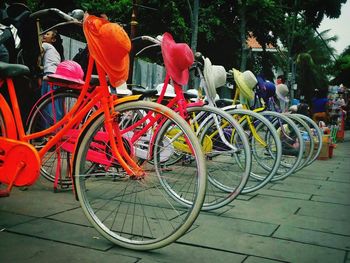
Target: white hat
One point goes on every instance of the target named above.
(170, 92)
(123, 90)
(215, 77)
(194, 92)
(293, 108)
(282, 92)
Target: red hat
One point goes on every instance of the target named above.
(109, 45)
(178, 57)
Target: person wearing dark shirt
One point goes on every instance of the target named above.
(320, 107)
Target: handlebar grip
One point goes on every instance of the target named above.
(198, 55)
(146, 38)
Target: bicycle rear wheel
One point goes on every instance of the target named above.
(3, 131)
(56, 162)
(139, 213)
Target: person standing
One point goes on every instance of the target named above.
(320, 107)
(52, 55)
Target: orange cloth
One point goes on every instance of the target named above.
(320, 116)
(109, 45)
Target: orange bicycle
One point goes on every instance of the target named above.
(120, 193)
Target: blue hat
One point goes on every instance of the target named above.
(267, 89)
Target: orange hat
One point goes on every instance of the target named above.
(109, 45)
(178, 57)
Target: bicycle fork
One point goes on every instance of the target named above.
(116, 140)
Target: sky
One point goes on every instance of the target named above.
(339, 27)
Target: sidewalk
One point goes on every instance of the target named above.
(304, 218)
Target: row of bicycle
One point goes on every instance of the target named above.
(144, 166)
(243, 149)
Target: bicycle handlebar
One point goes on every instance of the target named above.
(156, 40)
(49, 11)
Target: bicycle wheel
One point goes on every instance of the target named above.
(316, 137)
(292, 144)
(265, 146)
(139, 213)
(306, 135)
(215, 130)
(56, 162)
(2, 125)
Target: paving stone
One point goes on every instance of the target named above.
(31, 202)
(265, 247)
(313, 237)
(341, 178)
(296, 187)
(211, 222)
(326, 211)
(63, 232)
(337, 187)
(17, 248)
(319, 224)
(183, 253)
(279, 193)
(252, 259)
(332, 197)
(74, 216)
(10, 219)
(269, 209)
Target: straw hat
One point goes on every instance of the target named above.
(215, 77)
(70, 71)
(109, 45)
(282, 92)
(178, 57)
(245, 82)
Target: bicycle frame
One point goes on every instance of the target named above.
(74, 116)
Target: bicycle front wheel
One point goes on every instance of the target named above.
(139, 213)
(265, 146)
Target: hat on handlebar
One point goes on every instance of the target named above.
(215, 77)
(178, 57)
(282, 92)
(109, 45)
(245, 82)
(69, 71)
(266, 89)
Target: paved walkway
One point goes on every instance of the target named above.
(305, 218)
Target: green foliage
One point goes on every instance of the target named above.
(309, 77)
(341, 69)
(219, 23)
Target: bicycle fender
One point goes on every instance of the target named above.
(8, 118)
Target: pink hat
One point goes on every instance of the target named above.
(70, 71)
(178, 57)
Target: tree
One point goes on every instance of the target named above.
(341, 69)
(309, 78)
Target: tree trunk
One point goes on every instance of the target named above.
(243, 33)
(194, 25)
(194, 36)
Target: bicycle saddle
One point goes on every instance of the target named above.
(13, 70)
